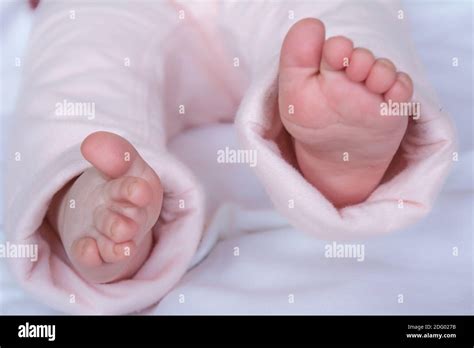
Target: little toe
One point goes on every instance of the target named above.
(360, 64)
(112, 252)
(131, 189)
(382, 76)
(86, 252)
(402, 89)
(117, 227)
(336, 53)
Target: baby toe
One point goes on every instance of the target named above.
(115, 226)
(360, 64)
(112, 252)
(131, 189)
(336, 53)
(382, 76)
(402, 89)
(86, 252)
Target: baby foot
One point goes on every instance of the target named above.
(332, 110)
(104, 219)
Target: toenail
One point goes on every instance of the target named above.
(113, 228)
(117, 249)
(387, 63)
(132, 187)
(81, 247)
(404, 80)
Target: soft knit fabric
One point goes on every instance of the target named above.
(154, 69)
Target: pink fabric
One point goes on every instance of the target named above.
(427, 149)
(189, 61)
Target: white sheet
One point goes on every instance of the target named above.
(276, 263)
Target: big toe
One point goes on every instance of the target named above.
(300, 59)
(109, 153)
(115, 157)
(303, 45)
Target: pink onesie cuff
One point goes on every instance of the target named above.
(404, 196)
(53, 280)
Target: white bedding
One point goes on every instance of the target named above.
(280, 270)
